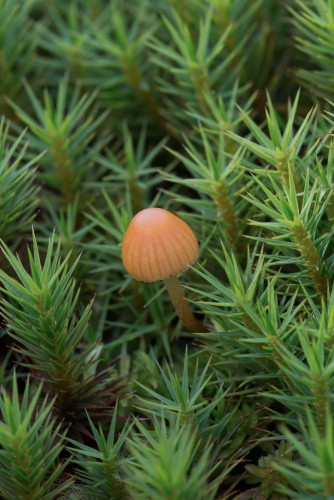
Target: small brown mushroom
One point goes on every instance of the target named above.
(158, 245)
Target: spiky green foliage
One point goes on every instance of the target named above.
(281, 146)
(100, 468)
(201, 67)
(126, 72)
(41, 317)
(65, 36)
(29, 447)
(184, 398)
(18, 41)
(131, 166)
(314, 22)
(312, 474)
(65, 131)
(192, 106)
(218, 181)
(18, 191)
(167, 466)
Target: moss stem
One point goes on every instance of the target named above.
(226, 212)
(322, 402)
(313, 262)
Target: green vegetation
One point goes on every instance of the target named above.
(222, 113)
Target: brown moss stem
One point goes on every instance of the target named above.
(322, 402)
(24, 464)
(226, 211)
(330, 208)
(61, 376)
(202, 86)
(249, 323)
(283, 165)
(313, 262)
(116, 485)
(66, 174)
(144, 94)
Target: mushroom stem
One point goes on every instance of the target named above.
(182, 308)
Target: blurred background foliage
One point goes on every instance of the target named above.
(220, 111)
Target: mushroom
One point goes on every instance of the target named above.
(158, 245)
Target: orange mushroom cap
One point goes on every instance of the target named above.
(158, 245)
